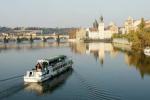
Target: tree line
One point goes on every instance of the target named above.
(139, 38)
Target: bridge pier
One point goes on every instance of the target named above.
(44, 39)
(31, 39)
(58, 39)
(18, 39)
(6, 40)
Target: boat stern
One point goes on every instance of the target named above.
(32, 76)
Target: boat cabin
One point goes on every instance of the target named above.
(55, 60)
(44, 64)
(41, 65)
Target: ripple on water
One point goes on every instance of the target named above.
(94, 92)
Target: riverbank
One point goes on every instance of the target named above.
(98, 40)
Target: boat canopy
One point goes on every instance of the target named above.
(57, 57)
(52, 61)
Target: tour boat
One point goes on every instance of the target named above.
(147, 51)
(48, 68)
(49, 86)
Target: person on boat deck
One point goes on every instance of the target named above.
(38, 67)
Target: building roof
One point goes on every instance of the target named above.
(147, 25)
(93, 29)
(107, 28)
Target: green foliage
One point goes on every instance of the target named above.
(141, 25)
(147, 30)
(120, 36)
(140, 38)
(145, 38)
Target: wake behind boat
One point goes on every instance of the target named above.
(48, 68)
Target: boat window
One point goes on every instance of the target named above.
(47, 71)
(30, 74)
(45, 64)
(54, 61)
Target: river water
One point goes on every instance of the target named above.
(101, 71)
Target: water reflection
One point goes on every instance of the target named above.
(97, 49)
(137, 60)
(140, 61)
(49, 86)
(30, 45)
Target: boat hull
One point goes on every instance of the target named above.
(35, 79)
(45, 77)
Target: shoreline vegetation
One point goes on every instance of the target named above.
(97, 40)
(140, 38)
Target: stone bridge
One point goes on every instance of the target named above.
(33, 37)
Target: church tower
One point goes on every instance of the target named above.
(101, 25)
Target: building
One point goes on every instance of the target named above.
(121, 30)
(132, 25)
(92, 33)
(147, 24)
(81, 34)
(112, 28)
(129, 24)
(102, 33)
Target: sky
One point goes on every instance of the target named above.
(69, 13)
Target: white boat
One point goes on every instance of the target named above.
(147, 51)
(48, 68)
(49, 86)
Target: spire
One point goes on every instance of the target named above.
(101, 19)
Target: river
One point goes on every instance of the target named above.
(101, 71)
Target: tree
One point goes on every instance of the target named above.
(141, 25)
(72, 33)
(145, 39)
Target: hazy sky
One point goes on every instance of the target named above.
(69, 13)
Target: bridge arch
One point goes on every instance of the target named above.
(50, 38)
(37, 38)
(24, 38)
(63, 38)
